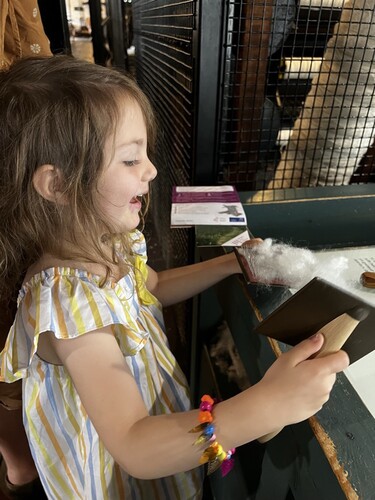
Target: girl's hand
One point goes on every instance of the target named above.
(247, 244)
(251, 243)
(299, 386)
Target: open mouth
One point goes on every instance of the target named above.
(136, 199)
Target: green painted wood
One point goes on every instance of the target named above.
(315, 217)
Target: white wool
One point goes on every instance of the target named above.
(279, 263)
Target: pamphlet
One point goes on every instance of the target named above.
(205, 206)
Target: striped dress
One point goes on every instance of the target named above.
(69, 455)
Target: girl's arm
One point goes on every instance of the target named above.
(175, 285)
(293, 389)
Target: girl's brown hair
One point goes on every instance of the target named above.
(59, 111)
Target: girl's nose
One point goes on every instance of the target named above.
(150, 172)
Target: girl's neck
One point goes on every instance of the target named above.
(47, 261)
(68, 256)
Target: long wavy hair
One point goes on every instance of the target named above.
(59, 111)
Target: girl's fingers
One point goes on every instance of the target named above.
(333, 363)
(305, 349)
(336, 362)
(252, 243)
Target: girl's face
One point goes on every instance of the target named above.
(129, 172)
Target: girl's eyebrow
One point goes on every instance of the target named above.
(138, 142)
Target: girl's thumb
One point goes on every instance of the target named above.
(307, 348)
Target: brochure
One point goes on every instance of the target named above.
(206, 205)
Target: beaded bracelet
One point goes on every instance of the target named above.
(213, 455)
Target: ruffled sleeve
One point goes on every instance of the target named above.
(141, 271)
(69, 304)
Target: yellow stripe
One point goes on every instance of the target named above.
(101, 473)
(83, 449)
(45, 422)
(59, 312)
(56, 495)
(177, 488)
(93, 306)
(150, 384)
(76, 313)
(128, 318)
(165, 356)
(73, 395)
(37, 311)
(197, 479)
(27, 302)
(119, 481)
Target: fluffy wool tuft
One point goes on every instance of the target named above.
(280, 263)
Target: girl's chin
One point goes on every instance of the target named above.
(130, 224)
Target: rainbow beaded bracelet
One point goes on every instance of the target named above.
(213, 455)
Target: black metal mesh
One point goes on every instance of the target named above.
(284, 117)
(295, 86)
(165, 70)
(287, 119)
(164, 62)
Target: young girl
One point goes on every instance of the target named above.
(106, 407)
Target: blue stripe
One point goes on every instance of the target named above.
(132, 487)
(33, 454)
(91, 465)
(25, 329)
(172, 385)
(136, 374)
(164, 486)
(52, 401)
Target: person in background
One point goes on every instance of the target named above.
(21, 31)
(21, 35)
(106, 407)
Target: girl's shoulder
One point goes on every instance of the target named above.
(70, 302)
(50, 269)
(71, 288)
(62, 284)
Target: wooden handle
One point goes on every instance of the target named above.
(335, 334)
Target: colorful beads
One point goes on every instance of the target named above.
(205, 416)
(213, 455)
(205, 406)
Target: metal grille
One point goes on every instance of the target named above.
(164, 62)
(163, 32)
(298, 100)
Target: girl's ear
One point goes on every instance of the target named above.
(48, 182)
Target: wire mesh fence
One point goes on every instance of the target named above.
(298, 101)
(164, 63)
(288, 102)
(295, 87)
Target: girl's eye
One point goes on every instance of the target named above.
(130, 163)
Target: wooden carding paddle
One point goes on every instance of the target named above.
(335, 334)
